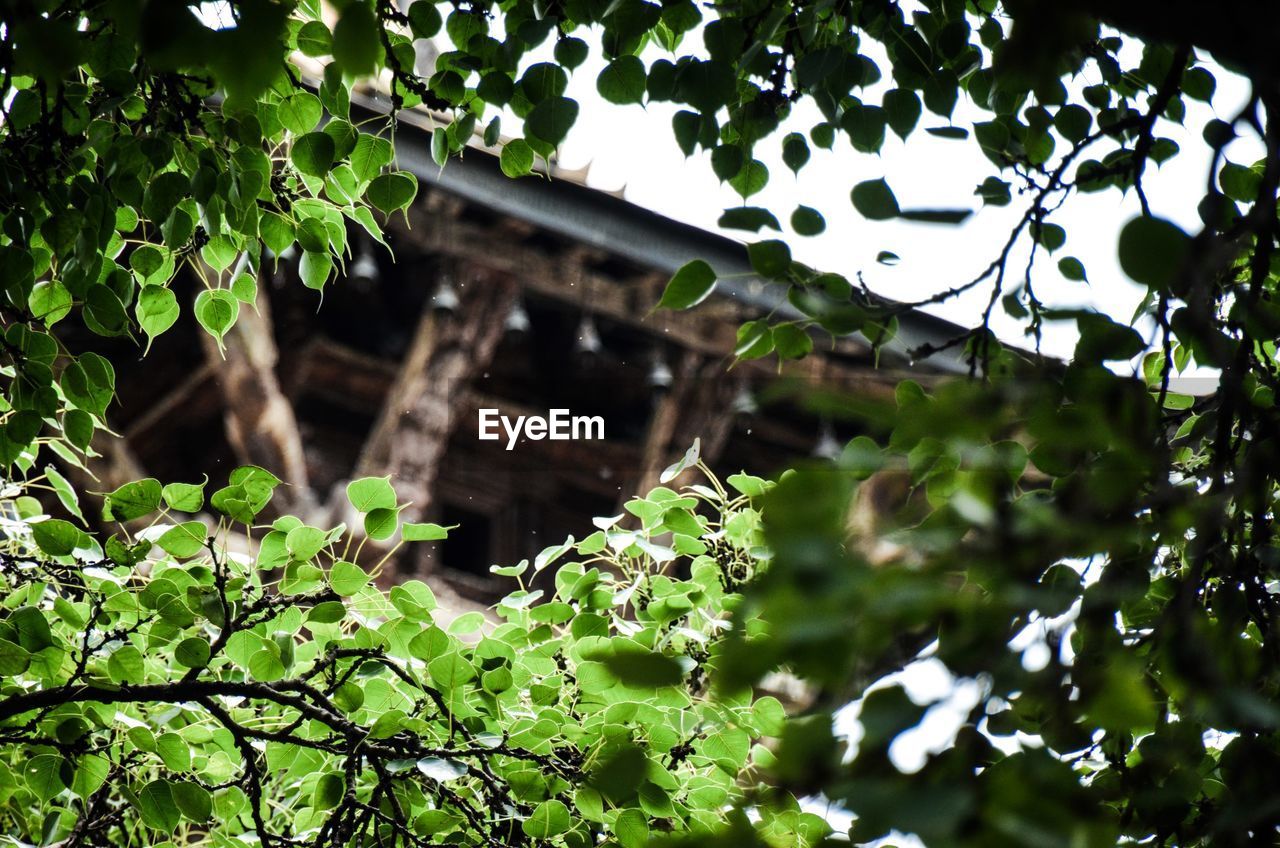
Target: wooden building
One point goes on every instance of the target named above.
(521, 296)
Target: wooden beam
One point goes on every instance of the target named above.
(258, 418)
(563, 278)
(170, 404)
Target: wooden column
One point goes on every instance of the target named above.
(260, 425)
(449, 349)
(696, 407)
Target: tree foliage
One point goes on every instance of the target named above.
(1127, 528)
(160, 686)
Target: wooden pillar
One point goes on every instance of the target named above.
(696, 407)
(449, 350)
(260, 425)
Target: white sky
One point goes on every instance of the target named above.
(632, 147)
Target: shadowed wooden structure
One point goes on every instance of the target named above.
(521, 296)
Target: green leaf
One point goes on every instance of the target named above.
(277, 232)
(125, 665)
(517, 158)
(55, 536)
(331, 786)
(78, 426)
(355, 39)
(43, 775)
(902, 111)
(370, 493)
(950, 217)
(551, 119)
(691, 285)
(315, 268)
(1153, 251)
(347, 578)
(807, 221)
(185, 540)
(14, 659)
(874, 200)
(192, 652)
(1073, 269)
(133, 500)
(393, 191)
(314, 39)
(771, 258)
(623, 80)
(769, 716)
(184, 497)
(1199, 83)
(440, 146)
(727, 161)
(791, 342)
(468, 622)
(1239, 182)
(192, 799)
(163, 193)
(1102, 339)
(543, 80)
(300, 112)
(103, 312)
(1050, 236)
(752, 179)
(91, 773)
(146, 260)
(632, 828)
(424, 532)
(174, 750)
(571, 52)
(265, 665)
(424, 20)
(49, 302)
(754, 340)
(753, 218)
(497, 681)
(33, 631)
(90, 383)
(220, 252)
(158, 808)
(372, 153)
(549, 819)
(381, 523)
(450, 670)
(795, 151)
(65, 491)
(644, 669)
(994, 192)
(157, 311)
(1074, 122)
(865, 126)
(685, 125)
(245, 288)
(304, 542)
(824, 135)
(313, 154)
(217, 311)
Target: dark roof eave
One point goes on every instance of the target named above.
(595, 218)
